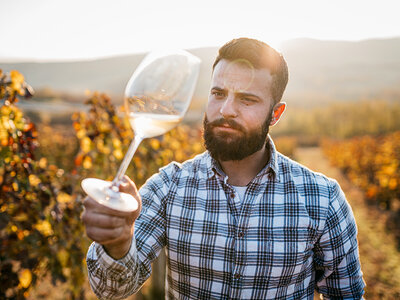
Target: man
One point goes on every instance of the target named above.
(240, 221)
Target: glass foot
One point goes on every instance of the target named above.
(100, 190)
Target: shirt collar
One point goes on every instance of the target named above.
(271, 169)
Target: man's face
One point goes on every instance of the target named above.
(239, 111)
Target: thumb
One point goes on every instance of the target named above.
(129, 187)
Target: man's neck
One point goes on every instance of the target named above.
(241, 172)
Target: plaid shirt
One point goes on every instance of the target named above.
(293, 232)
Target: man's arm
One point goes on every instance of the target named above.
(337, 262)
(117, 266)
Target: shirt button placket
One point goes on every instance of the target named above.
(236, 286)
(237, 273)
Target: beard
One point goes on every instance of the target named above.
(225, 146)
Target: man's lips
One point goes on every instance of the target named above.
(225, 128)
(225, 125)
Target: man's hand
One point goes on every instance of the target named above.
(111, 228)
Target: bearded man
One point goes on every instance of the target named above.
(239, 221)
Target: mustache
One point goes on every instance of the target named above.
(225, 122)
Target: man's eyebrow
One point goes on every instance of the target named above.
(240, 94)
(217, 88)
(244, 94)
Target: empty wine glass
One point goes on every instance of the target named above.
(157, 97)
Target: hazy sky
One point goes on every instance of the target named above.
(69, 29)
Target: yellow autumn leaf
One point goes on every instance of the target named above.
(63, 256)
(17, 79)
(100, 145)
(43, 163)
(155, 144)
(85, 144)
(81, 133)
(5, 110)
(64, 198)
(116, 143)
(16, 76)
(104, 115)
(104, 127)
(25, 278)
(87, 162)
(118, 154)
(34, 180)
(106, 150)
(3, 136)
(44, 227)
(3, 141)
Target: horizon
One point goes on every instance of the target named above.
(18, 60)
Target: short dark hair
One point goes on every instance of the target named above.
(259, 55)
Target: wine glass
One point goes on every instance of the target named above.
(157, 97)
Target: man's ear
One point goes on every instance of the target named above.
(277, 112)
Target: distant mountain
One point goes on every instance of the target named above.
(109, 75)
(342, 70)
(319, 71)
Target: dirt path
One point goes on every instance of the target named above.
(379, 257)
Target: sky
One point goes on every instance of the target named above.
(89, 29)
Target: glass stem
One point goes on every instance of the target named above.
(126, 161)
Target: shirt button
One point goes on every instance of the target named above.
(241, 234)
(232, 195)
(270, 176)
(237, 275)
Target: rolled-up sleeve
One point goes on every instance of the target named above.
(337, 261)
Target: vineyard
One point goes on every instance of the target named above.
(373, 164)
(41, 166)
(41, 235)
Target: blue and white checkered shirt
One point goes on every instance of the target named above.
(293, 232)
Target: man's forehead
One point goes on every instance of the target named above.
(240, 76)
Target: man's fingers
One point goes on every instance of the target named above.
(129, 187)
(103, 235)
(96, 219)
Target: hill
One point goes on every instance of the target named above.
(320, 71)
(326, 70)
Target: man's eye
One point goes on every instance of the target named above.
(218, 94)
(248, 100)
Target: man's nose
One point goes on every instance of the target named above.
(228, 109)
